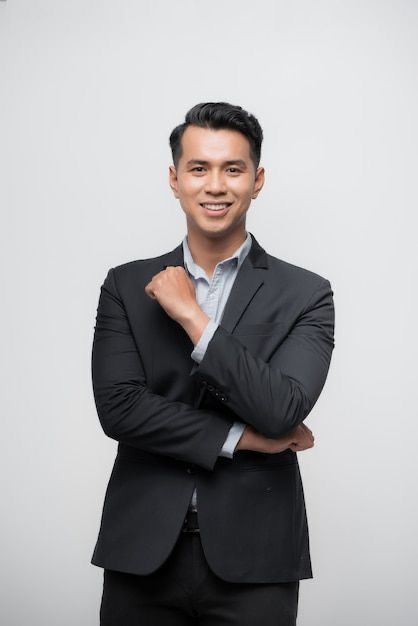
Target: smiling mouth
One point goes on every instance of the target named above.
(215, 206)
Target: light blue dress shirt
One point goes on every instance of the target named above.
(211, 295)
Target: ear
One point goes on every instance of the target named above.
(172, 179)
(258, 182)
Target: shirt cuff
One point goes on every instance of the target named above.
(200, 348)
(232, 439)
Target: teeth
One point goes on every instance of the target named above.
(215, 207)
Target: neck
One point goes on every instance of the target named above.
(209, 252)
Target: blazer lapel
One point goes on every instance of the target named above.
(247, 282)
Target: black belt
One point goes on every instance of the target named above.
(191, 524)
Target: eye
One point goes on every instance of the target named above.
(198, 167)
(234, 170)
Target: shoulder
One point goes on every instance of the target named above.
(138, 271)
(288, 274)
(285, 276)
(297, 288)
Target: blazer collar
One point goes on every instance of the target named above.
(247, 282)
(237, 258)
(257, 256)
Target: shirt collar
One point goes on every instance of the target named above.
(196, 271)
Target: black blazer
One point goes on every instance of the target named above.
(266, 365)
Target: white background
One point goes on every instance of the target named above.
(89, 93)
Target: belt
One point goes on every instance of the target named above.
(191, 524)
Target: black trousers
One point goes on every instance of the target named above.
(185, 592)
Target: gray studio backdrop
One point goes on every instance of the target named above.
(89, 92)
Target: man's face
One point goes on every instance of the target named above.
(215, 180)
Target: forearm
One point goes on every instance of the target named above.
(131, 414)
(273, 397)
(129, 411)
(259, 395)
(298, 439)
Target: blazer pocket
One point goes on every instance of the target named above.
(128, 453)
(267, 328)
(267, 467)
(266, 461)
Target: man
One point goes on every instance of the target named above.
(206, 361)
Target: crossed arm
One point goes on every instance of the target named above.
(243, 436)
(272, 398)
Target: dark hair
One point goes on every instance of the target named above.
(219, 115)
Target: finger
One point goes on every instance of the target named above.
(149, 291)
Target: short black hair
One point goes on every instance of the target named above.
(219, 115)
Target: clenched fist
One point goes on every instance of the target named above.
(174, 291)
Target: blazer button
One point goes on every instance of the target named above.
(211, 387)
(190, 470)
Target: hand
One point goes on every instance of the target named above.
(302, 438)
(175, 292)
(298, 439)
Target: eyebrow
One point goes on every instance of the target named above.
(238, 162)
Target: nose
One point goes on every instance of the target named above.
(215, 183)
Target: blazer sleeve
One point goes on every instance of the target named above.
(132, 414)
(274, 397)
